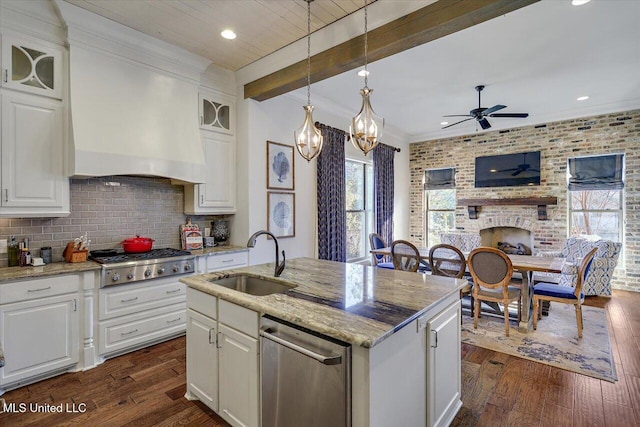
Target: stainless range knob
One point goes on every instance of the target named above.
(130, 275)
(187, 267)
(147, 273)
(160, 270)
(115, 277)
(176, 268)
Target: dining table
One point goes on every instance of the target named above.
(526, 265)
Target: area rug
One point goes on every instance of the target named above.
(554, 343)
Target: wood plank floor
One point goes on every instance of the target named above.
(146, 388)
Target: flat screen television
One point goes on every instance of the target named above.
(508, 170)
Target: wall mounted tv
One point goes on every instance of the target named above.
(508, 170)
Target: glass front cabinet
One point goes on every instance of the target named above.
(31, 66)
(217, 112)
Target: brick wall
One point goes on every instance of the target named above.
(611, 133)
(150, 207)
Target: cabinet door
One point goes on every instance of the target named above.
(218, 194)
(38, 336)
(32, 66)
(33, 179)
(217, 112)
(444, 367)
(238, 377)
(202, 358)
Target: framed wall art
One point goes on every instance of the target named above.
(281, 211)
(280, 166)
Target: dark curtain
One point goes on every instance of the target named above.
(383, 181)
(332, 217)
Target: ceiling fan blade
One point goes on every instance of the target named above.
(459, 115)
(453, 124)
(516, 173)
(514, 115)
(492, 109)
(484, 123)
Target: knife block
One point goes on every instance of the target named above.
(71, 255)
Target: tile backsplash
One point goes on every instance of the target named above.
(108, 209)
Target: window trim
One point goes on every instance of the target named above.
(366, 230)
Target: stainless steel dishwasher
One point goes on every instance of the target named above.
(306, 377)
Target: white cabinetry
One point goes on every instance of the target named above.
(222, 261)
(136, 315)
(218, 194)
(33, 179)
(39, 328)
(444, 366)
(224, 375)
(32, 66)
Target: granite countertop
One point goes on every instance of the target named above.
(358, 304)
(53, 269)
(219, 249)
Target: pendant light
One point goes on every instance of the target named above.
(366, 127)
(308, 138)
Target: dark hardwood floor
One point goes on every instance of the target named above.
(146, 388)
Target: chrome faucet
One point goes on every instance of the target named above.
(252, 243)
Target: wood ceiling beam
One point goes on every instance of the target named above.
(436, 20)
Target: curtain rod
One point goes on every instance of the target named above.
(396, 149)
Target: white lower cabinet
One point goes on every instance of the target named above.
(202, 358)
(221, 261)
(39, 329)
(238, 377)
(133, 316)
(222, 358)
(444, 366)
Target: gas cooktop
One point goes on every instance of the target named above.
(120, 268)
(114, 256)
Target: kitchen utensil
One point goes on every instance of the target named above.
(137, 244)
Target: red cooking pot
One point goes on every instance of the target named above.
(137, 244)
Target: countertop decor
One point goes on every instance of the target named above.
(53, 269)
(358, 304)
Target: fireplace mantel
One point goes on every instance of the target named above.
(473, 205)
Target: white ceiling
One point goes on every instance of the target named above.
(538, 59)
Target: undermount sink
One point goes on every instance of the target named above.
(252, 285)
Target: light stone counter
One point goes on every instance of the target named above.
(357, 304)
(53, 269)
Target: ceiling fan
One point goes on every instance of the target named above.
(523, 167)
(481, 114)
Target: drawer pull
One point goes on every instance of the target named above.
(129, 300)
(39, 290)
(174, 291)
(227, 260)
(128, 333)
(174, 320)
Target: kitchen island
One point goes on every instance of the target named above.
(404, 330)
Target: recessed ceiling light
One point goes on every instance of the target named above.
(444, 123)
(228, 34)
(579, 2)
(363, 73)
(582, 98)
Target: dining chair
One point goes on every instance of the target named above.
(565, 294)
(378, 260)
(405, 256)
(491, 270)
(447, 260)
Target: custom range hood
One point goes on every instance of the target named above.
(133, 102)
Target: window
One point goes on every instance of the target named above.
(440, 203)
(359, 207)
(596, 191)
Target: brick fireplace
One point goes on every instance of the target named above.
(513, 230)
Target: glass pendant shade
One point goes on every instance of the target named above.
(308, 138)
(366, 127)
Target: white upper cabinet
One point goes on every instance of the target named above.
(33, 178)
(218, 194)
(217, 112)
(32, 66)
